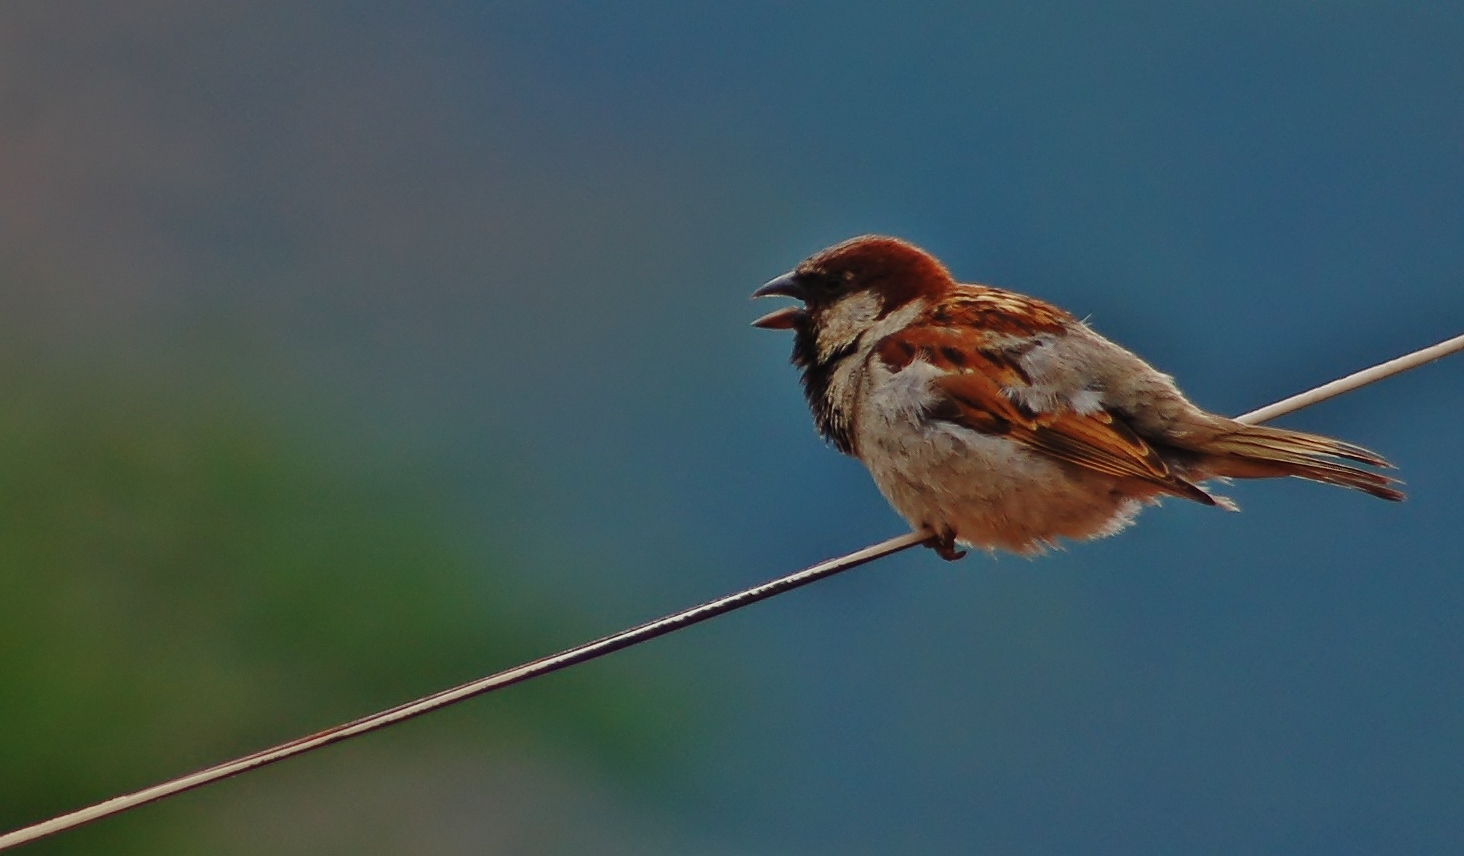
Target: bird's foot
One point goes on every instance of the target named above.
(944, 546)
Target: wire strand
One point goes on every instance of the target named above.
(1353, 381)
(625, 638)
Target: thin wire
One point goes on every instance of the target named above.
(1353, 381)
(625, 638)
(518, 674)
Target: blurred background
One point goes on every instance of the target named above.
(350, 351)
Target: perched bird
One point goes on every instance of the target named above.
(999, 421)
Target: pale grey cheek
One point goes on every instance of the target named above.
(843, 322)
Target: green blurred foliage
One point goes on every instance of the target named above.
(187, 577)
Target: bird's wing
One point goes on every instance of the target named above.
(983, 386)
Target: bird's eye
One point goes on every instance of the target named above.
(828, 285)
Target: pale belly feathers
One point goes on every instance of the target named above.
(985, 490)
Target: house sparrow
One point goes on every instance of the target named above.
(996, 420)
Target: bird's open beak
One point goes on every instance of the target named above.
(788, 317)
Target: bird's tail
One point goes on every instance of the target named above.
(1251, 452)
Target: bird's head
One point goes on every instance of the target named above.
(847, 289)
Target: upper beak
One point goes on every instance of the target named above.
(786, 285)
(786, 318)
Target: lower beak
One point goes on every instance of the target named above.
(782, 319)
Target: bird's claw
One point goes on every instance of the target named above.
(945, 547)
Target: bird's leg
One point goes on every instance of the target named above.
(944, 545)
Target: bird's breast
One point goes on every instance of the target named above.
(987, 490)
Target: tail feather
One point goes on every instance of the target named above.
(1257, 452)
(1281, 439)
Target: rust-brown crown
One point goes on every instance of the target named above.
(899, 269)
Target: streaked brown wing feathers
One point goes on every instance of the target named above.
(973, 396)
(992, 311)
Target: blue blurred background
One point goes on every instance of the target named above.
(353, 350)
